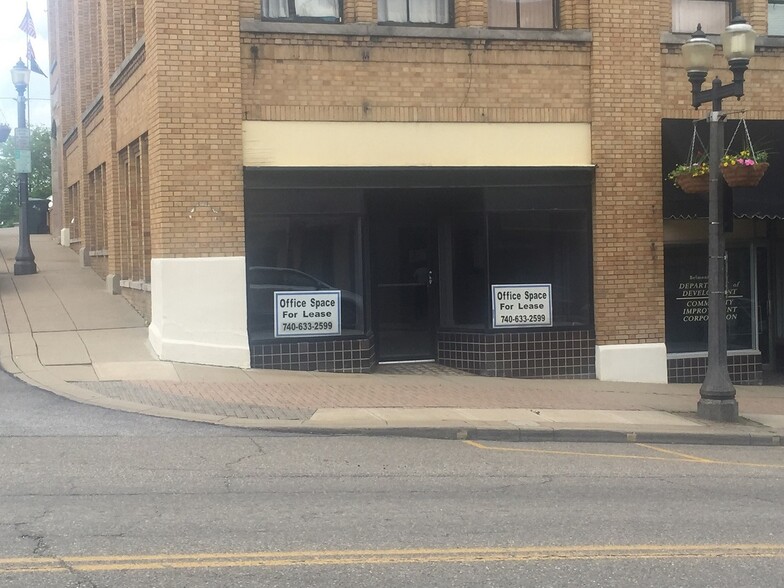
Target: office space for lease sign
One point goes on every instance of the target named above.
(299, 314)
(522, 305)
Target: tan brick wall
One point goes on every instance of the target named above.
(574, 14)
(249, 8)
(93, 142)
(763, 87)
(628, 229)
(195, 137)
(129, 101)
(73, 162)
(359, 79)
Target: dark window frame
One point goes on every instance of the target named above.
(556, 7)
(407, 23)
(731, 11)
(777, 34)
(359, 262)
(293, 17)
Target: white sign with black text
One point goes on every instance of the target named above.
(522, 305)
(307, 314)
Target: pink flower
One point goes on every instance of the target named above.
(748, 162)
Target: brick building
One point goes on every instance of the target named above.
(326, 184)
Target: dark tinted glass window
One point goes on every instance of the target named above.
(302, 252)
(545, 247)
(686, 298)
(465, 257)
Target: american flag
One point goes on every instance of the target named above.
(27, 24)
(34, 67)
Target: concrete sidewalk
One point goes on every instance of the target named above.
(64, 333)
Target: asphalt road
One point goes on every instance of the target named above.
(95, 498)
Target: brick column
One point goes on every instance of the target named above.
(628, 227)
(195, 133)
(197, 222)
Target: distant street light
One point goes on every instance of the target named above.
(717, 394)
(25, 260)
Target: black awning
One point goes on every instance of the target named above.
(764, 201)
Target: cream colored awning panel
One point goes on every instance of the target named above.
(354, 144)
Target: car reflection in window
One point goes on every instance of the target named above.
(263, 282)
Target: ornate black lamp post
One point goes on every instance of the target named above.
(717, 394)
(25, 260)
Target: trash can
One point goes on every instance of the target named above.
(37, 213)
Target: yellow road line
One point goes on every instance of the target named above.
(695, 458)
(110, 563)
(679, 456)
(685, 456)
(577, 453)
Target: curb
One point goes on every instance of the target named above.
(766, 439)
(503, 431)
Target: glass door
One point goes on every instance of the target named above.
(404, 278)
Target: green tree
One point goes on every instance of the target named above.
(40, 181)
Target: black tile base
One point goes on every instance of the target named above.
(355, 356)
(549, 354)
(743, 369)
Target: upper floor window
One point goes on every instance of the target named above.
(321, 10)
(414, 11)
(521, 14)
(776, 17)
(713, 15)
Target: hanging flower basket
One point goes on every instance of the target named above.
(691, 178)
(5, 130)
(746, 167)
(692, 184)
(743, 175)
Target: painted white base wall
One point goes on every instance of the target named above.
(646, 362)
(199, 311)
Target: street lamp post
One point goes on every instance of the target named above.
(25, 260)
(717, 394)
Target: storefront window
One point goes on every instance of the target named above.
(303, 253)
(686, 298)
(465, 258)
(545, 247)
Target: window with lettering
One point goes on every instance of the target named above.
(521, 14)
(687, 297)
(713, 15)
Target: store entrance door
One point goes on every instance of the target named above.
(404, 259)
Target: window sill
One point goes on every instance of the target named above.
(250, 25)
(681, 38)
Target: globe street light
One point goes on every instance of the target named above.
(25, 260)
(717, 394)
